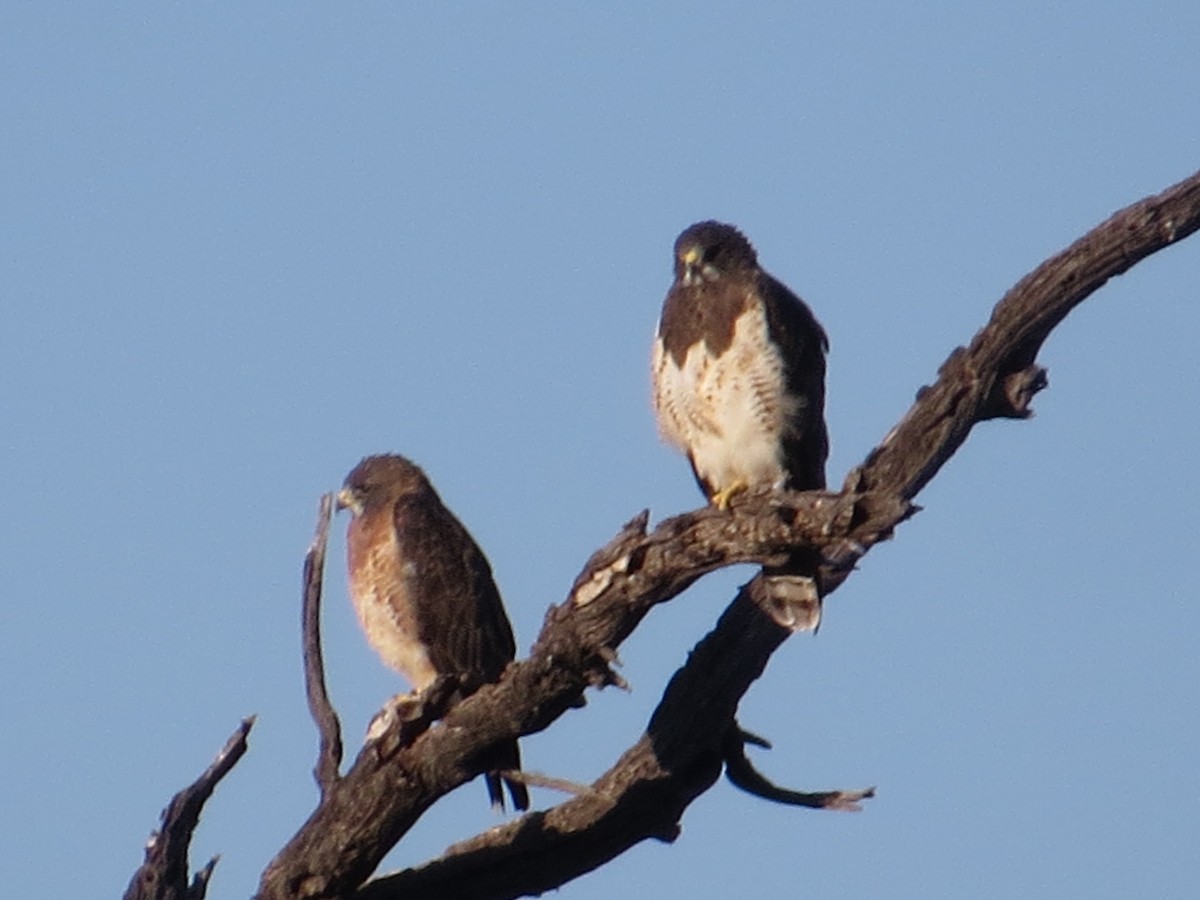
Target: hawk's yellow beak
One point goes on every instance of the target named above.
(691, 257)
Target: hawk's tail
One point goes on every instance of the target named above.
(794, 601)
(508, 758)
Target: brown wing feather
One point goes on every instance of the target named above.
(458, 611)
(802, 344)
(459, 614)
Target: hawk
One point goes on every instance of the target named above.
(424, 592)
(739, 386)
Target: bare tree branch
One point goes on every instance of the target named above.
(379, 799)
(329, 753)
(995, 376)
(537, 779)
(741, 773)
(164, 874)
(642, 796)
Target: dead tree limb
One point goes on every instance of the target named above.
(164, 874)
(996, 375)
(642, 796)
(741, 773)
(329, 729)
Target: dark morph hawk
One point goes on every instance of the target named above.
(739, 385)
(423, 590)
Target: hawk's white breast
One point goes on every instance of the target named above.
(382, 586)
(728, 412)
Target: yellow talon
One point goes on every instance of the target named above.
(722, 497)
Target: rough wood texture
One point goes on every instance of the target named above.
(164, 874)
(329, 729)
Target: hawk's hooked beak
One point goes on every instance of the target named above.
(346, 500)
(690, 258)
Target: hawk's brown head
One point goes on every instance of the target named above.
(379, 481)
(711, 250)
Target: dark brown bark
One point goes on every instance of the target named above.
(164, 874)
(693, 733)
(329, 729)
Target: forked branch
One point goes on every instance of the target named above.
(164, 874)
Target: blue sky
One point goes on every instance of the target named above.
(245, 246)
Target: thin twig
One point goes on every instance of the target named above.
(742, 774)
(550, 782)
